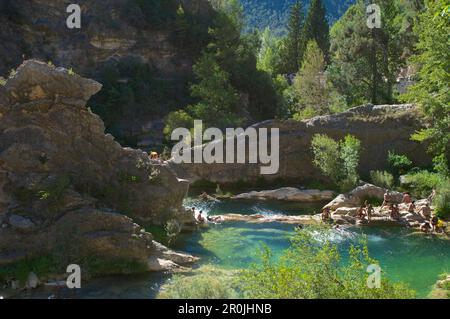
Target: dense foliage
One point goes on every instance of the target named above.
(275, 14)
(432, 92)
(315, 268)
(337, 160)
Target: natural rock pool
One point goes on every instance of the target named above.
(415, 259)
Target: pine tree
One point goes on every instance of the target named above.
(316, 27)
(293, 41)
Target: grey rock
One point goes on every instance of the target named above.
(21, 223)
(32, 281)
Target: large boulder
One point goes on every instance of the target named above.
(357, 197)
(67, 187)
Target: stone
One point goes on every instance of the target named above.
(80, 189)
(21, 223)
(32, 281)
(288, 194)
(357, 196)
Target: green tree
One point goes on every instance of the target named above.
(432, 91)
(337, 160)
(366, 62)
(293, 48)
(218, 99)
(313, 268)
(316, 27)
(315, 95)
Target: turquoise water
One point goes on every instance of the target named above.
(415, 259)
(412, 258)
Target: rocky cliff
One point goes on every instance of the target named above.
(67, 187)
(133, 33)
(380, 128)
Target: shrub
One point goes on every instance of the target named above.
(382, 179)
(305, 114)
(399, 164)
(442, 199)
(175, 120)
(313, 268)
(204, 283)
(423, 182)
(337, 160)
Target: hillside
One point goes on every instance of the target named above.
(273, 14)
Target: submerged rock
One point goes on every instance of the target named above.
(67, 186)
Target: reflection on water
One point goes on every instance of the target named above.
(414, 259)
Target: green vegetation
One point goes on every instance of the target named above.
(382, 179)
(399, 164)
(337, 160)
(432, 89)
(261, 14)
(204, 283)
(366, 62)
(314, 269)
(314, 94)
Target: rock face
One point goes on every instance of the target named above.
(112, 31)
(65, 185)
(288, 194)
(380, 129)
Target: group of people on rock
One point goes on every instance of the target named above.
(203, 218)
(365, 211)
(431, 223)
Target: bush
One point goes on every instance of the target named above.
(305, 114)
(423, 182)
(176, 120)
(337, 160)
(204, 283)
(442, 199)
(399, 164)
(313, 268)
(382, 179)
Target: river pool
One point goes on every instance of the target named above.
(415, 259)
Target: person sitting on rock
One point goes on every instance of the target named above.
(407, 198)
(154, 156)
(200, 218)
(431, 197)
(425, 227)
(326, 214)
(214, 219)
(412, 207)
(360, 213)
(440, 227)
(425, 212)
(394, 212)
(434, 222)
(369, 211)
(386, 199)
